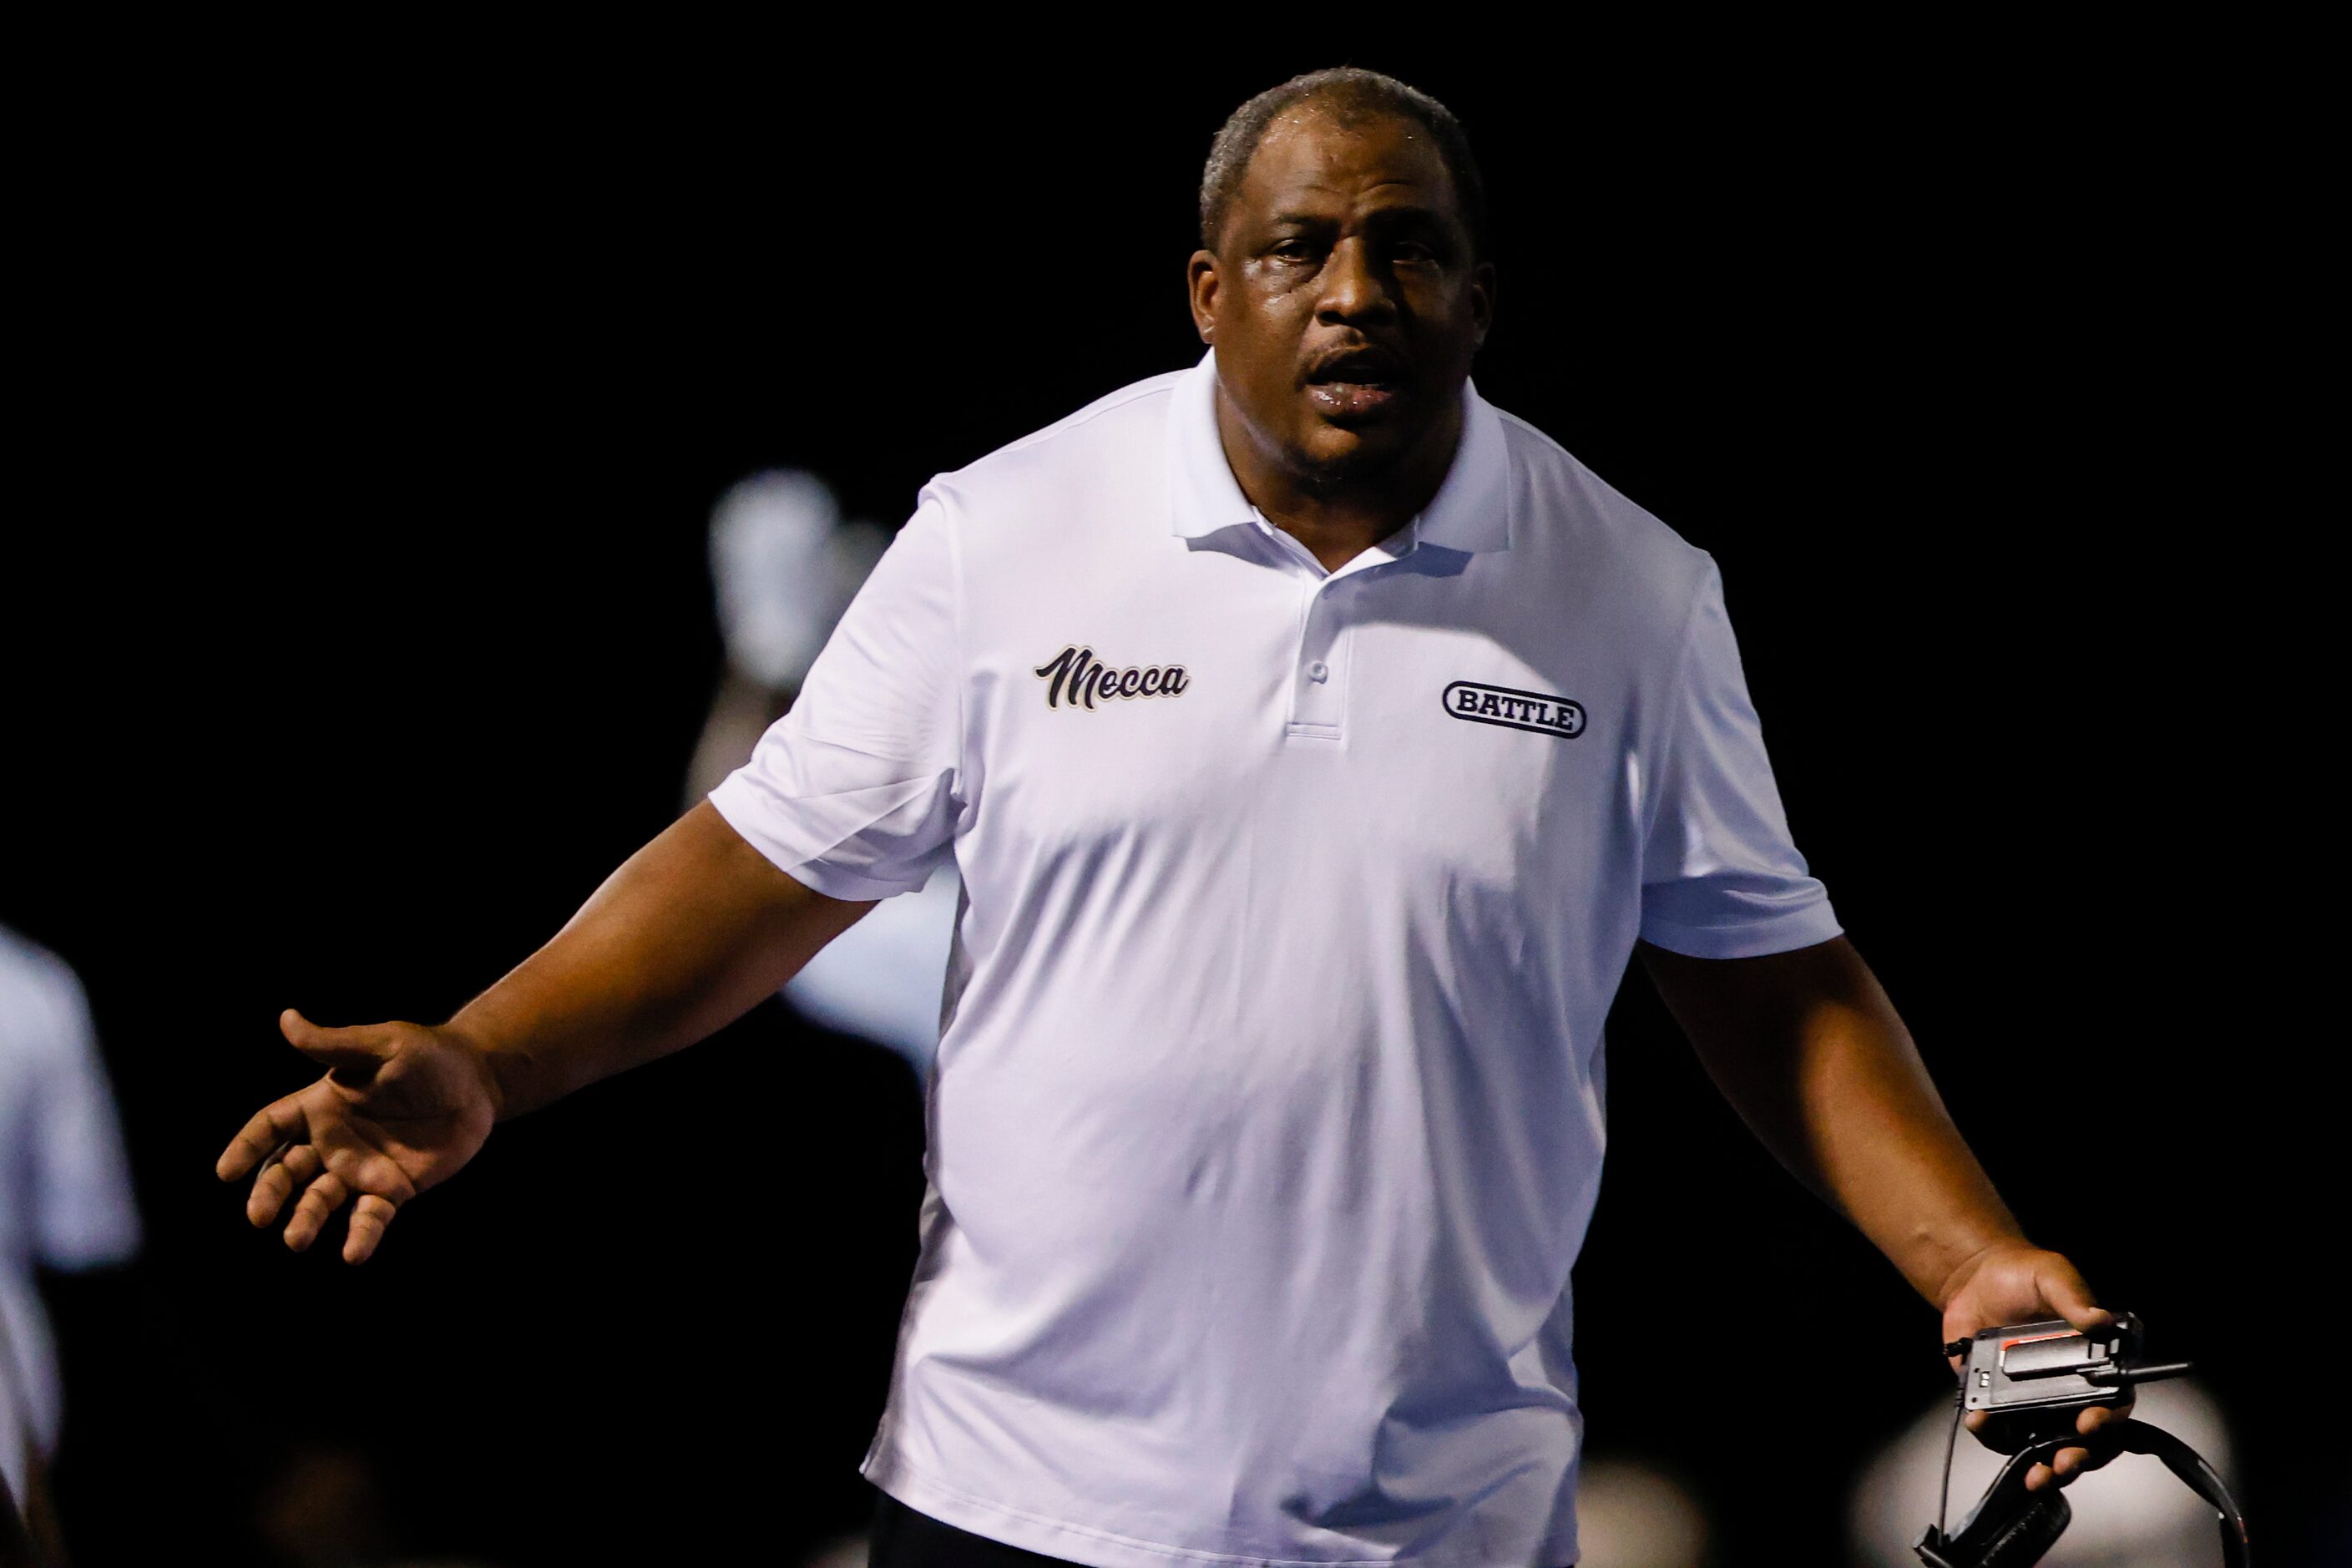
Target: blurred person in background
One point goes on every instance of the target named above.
(331, 1506)
(1269, 1119)
(65, 1184)
(27, 1521)
(785, 565)
(1631, 1513)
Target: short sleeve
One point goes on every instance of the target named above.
(853, 792)
(83, 1212)
(1720, 876)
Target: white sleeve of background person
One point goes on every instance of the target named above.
(853, 793)
(1721, 877)
(83, 1212)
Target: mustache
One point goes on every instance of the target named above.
(1369, 364)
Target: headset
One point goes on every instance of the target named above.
(2033, 1378)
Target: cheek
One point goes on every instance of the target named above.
(1267, 337)
(1278, 300)
(1446, 328)
(1437, 301)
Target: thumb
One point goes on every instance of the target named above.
(2062, 1285)
(352, 1054)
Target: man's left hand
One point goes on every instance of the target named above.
(2016, 1282)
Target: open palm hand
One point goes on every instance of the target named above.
(402, 1107)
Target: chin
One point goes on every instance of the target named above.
(1337, 456)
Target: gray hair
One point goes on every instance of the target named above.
(1353, 94)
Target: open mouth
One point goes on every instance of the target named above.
(1355, 383)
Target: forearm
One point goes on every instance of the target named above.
(686, 935)
(1812, 1053)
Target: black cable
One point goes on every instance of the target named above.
(1943, 1495)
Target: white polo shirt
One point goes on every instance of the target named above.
(1266, 1119)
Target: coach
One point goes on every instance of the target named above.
(1317, 742)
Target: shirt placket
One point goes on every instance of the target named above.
(1319, 690)
(1320, 655)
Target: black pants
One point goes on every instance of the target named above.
(904, 1539)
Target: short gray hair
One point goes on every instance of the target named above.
(1353, 93)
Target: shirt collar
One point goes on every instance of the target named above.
(1471, 511)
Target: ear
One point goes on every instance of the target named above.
(1200, 281)
(1482, 298)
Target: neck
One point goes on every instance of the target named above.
(1340, 517)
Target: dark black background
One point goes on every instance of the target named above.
(360, 624)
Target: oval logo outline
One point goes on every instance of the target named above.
(1514, 710)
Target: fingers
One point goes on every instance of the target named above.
(2099, 1415)
(2058, 1471)
(329, 1163)
(281, 1175)
(350, 1053)
(2068, 1463)
(370, 1218)
(272, 1125)
(2063, 1468)
(326, 1195)
(2062, 1286)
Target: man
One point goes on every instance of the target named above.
(1316, 743)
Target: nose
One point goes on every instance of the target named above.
(1354, 289)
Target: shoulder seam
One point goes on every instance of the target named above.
(1708, 571)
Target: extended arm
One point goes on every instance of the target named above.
(1811, 1053)
(690, 932)
(686, 936)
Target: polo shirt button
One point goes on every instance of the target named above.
(1318, 671)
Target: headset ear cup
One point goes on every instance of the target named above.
(2031, 1534)
(2010, 1527)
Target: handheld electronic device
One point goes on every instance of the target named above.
(2036, 1376)
(2032, 1380)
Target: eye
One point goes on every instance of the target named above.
(1293, 248)
(1413, 252)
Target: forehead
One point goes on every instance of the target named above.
(1315, 156)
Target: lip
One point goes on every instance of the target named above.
(1342, 400)
(1362, 364)
(1358, 381)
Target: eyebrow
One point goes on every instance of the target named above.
(1402, 210)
